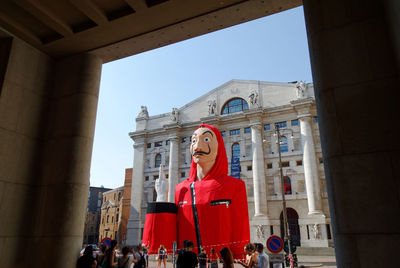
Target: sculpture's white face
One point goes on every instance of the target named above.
(204, 146)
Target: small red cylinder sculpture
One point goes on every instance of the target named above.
(160, 226)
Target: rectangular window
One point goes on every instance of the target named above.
(269, 165)
(328, 231)
(112, 219)
(308, 232)
(234, 132)
(299, 162)
(315, 119)
(223, 133)
(155, 177)
(295, 123)
(158, 144)
(183, 174)
(167, 142)
(271, 229)
(108, 218)
(183, 140)
(281, 124)
(267, 127)
(249, 168)
(247, 130)
(321, 161)
(146, 178)
(149, 145)
(116, 218)
(285, 164)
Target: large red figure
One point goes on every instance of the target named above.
(211, 206)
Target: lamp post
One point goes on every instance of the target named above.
(285, 220)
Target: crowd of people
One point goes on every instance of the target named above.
(111, 257)
(255, 257)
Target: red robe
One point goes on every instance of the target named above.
(213, 212)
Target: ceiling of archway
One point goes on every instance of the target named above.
(115, 29)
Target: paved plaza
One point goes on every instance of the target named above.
(307, 261)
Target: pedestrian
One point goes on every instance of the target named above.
(87, 260)
(227, 257)
(110, 259)
(146, 254)
(263, 259)
(180, 253)
(100, 256)
(162, 256)
(202, 258)
(188, 258)
(251, 256)
(125, 261)
(141, 261)
(213, 259)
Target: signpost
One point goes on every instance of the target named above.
(174, 246)
(106, 241)
(275, 244)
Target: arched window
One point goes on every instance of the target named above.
(157, 161)
(234, 106)
(287, 185)
(235, 150)
(283, 144)
(293, 223)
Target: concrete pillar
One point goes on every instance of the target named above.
(63, 173)
(260, 192)
(310, 166)
(356, 81)
(173, 167)
(136, 218)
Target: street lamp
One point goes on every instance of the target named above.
(285, 220)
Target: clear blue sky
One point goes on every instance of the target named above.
(272, 49)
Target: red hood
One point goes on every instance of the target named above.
(221, 162)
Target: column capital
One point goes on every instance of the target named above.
(139, 144)
(174, 138)
(257, 126)
(305, 116)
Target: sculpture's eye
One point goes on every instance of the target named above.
(207, 139)
(193, 140)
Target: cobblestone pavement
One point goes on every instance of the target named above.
(307, 261)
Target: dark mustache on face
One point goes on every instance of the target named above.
(202, 152)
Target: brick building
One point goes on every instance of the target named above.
(115, 211)
(93, 212)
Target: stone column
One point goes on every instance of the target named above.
(62, 173)
(136, 218)
(260, 195)
(173, 167)
(356, 83)
(310, 166)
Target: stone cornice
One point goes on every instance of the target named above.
(300, 106)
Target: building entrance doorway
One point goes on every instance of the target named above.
(293, 222)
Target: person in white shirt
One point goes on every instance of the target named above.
(263, 259)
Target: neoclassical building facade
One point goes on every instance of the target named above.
(248, 114)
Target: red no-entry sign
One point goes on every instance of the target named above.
(274, 244)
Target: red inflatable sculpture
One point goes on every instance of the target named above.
(211, 206)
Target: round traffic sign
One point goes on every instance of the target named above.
(274, 244)
(106, 241)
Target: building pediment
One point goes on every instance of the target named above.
(108, 204)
